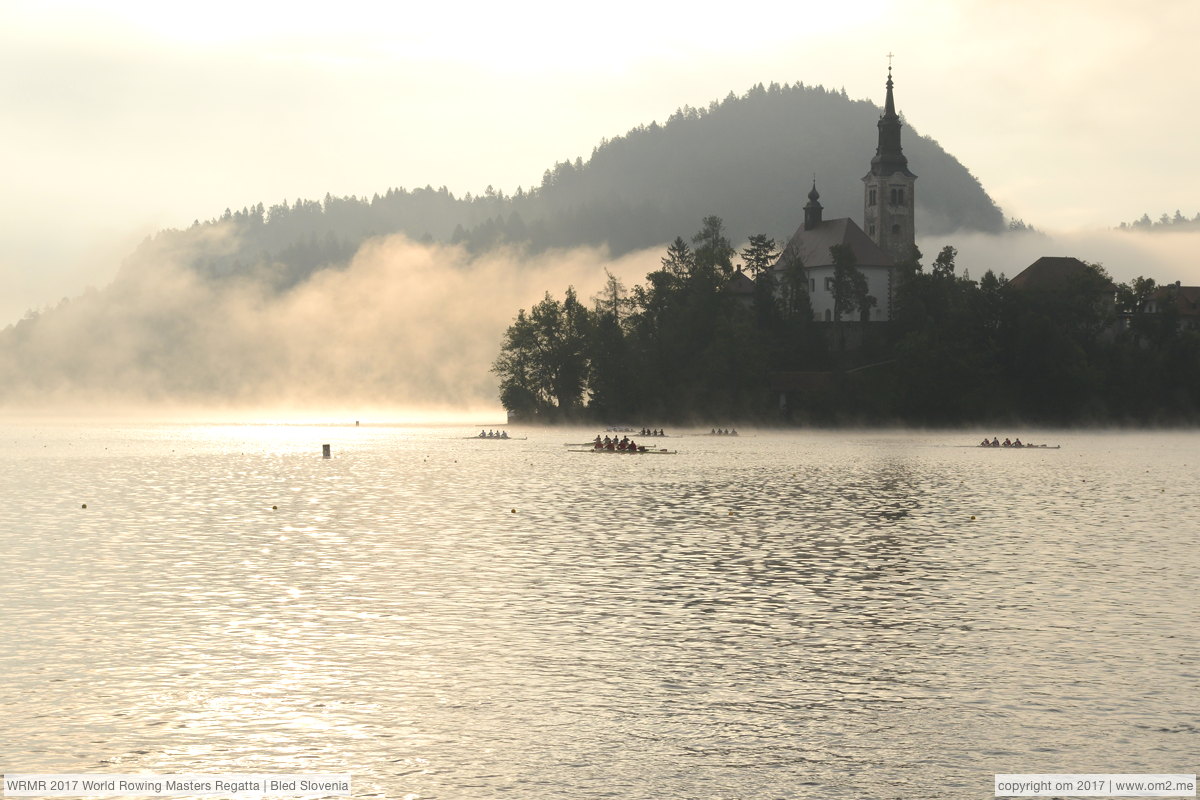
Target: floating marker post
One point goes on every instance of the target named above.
(325, 451)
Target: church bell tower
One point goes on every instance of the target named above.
(889, 198)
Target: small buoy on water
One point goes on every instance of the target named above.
(274, 508)
(514, 511)
(325, 451)
(972, 516)
(84, 505)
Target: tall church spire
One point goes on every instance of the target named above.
(890, 188)
(889, 157)
(812, 211)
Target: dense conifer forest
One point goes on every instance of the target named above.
(749, 158)
(686, 346)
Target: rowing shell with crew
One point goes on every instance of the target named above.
(639, 450)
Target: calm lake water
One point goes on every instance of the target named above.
(778, 615)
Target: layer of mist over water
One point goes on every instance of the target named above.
(402, 324)
(834, 615)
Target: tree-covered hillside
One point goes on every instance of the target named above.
(751, 159)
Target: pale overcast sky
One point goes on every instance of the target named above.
(126, 116)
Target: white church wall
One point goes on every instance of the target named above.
(821, 293)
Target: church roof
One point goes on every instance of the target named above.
(812, 245)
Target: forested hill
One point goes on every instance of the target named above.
(749, 160)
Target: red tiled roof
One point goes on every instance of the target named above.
(1187, 299)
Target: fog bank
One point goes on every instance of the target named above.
(403, 325)
(1166, 257)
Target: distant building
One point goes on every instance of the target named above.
(1181, 301)
(1064, 274)
(890, 238)
(1052, 274)
(741, 287)
(1062, 281)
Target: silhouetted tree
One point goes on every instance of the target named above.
(759, 254)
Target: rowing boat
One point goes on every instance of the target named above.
(1015, 447)
(589, 444)
(662, 451)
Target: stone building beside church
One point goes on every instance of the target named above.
(889, 199)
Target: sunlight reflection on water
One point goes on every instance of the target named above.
(779, 614)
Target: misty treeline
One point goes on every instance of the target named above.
(687, 346)
(404, 324)
(1165, 222)
(750, 157)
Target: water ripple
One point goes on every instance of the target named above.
(801, 615)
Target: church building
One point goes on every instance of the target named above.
(889, 238)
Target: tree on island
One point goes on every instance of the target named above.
(850, 289)
(681, 347)
(543, 362)
(759, 254)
